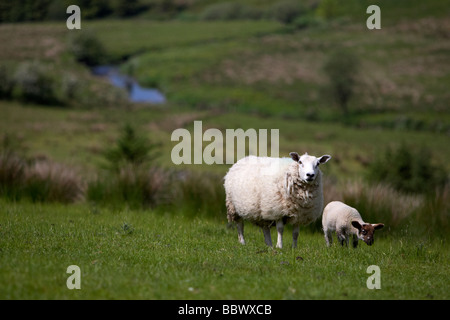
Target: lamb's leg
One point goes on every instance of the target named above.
(280, 228)
(355, 241)
(240, 229)
(341, 238)
(295, 235)
(267, 237)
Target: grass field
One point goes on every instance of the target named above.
(144, 255)
(249, 74)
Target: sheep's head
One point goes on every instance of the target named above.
(308, 168)
(366, 231)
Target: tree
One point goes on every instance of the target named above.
(342, 69)
(130, 149)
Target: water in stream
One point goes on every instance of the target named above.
(136, 93)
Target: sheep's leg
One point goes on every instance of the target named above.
(267, 237)
(328, 237)
(240, 229)
(295, 235)
(280, 228)
(355, 241)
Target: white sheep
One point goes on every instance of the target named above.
(268, 191)
(346, 221)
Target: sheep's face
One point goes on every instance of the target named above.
(308, 168)
(366, 231)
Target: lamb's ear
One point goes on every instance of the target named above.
(377, 226)
(324, 159)
(294, 156)
(356, 224)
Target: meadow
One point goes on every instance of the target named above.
(77, 189)
(135, 254)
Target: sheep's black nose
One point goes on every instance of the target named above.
(310, 175)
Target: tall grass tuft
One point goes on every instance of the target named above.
(404, 214)
(11, 175)
(135, 188)
(199, 194)
(433, 216)
(36, 179)
(381, 203)
(48, 181)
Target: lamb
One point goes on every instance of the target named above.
(346, 221)
(268, 191)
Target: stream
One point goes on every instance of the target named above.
(136, 93)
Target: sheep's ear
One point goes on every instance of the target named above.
(377, 226)
(324, 159)
(294, 156)
(356, 224)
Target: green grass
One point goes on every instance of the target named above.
(154, 36)
(78, 137)
(144, 255)
(241, 74)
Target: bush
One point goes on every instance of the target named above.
(408, 169)
(34, 84)
(6, 82)
(86, 48)
(287, 11)
(129, 179)
(307, 21)
(130, 149)
(230, 11)
(342, 70)
(328, 9)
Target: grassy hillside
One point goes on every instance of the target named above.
(157, 224)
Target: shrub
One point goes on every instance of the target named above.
(130, 149)
(86, 48)
(287, 11)
(70, 88)
(129, 179)
(408, 169)
(230, 11)
(34, 84)
(328, 9)
(6, 82)
(342, 70)
(307, 21)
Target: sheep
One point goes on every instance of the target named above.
(268, 191)
(346, 221)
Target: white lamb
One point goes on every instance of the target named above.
(268, 191)
(346, 221)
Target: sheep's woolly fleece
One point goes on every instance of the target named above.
(263, 190)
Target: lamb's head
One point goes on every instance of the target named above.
(366, 231)
(308, 168)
